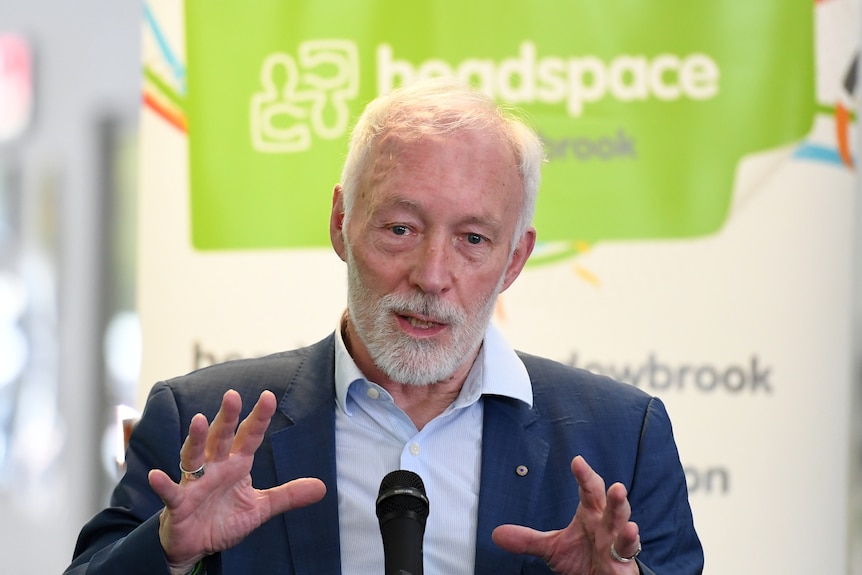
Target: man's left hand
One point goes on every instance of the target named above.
(584, 547)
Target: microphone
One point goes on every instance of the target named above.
(402, 509)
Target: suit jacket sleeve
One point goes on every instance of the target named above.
(124, 538)
(659, 500)
(626, 436)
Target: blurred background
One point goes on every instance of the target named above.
(69, 103)
(69, 337)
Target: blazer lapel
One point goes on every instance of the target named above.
(513, 465)
(306, 448)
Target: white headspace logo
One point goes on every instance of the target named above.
(575, 81)
(298, 100)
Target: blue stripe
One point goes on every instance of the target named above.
(178, 69)
(818, 154)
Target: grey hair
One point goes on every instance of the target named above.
(443, 107)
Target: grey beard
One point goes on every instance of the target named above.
(404, 359)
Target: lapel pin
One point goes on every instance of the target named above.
(522, 470)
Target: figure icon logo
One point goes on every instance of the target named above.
(299, 101)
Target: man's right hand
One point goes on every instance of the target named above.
(218, 510)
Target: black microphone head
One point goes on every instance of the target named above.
(402, 492)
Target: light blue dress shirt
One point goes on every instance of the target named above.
(373, 436)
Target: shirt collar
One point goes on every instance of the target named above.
(502, 371)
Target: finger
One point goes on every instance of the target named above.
(591, 486)
(251, 431)
(627, 541)
(618, 510)
(223, 428)
(192, 453)
(519, 539)
(293, 495)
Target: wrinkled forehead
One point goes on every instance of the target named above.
(473, 164)
(404, 142)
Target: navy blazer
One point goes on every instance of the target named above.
(623, 433)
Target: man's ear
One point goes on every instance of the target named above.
(336, 222)
(520, 256)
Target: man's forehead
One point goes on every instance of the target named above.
(402, 162)
(403, 151)
(400, 139)
(419, 136)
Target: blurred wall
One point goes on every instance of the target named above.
(87, 76)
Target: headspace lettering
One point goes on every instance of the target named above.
(575, 81)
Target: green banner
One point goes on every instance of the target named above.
(646, 108)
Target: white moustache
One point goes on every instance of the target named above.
(424, 307)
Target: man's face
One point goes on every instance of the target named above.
(428, 248)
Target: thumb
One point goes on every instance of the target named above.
(295, 494)
(165, 488)
(519, 539)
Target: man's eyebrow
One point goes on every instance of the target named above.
(488, 221)
(395, 201)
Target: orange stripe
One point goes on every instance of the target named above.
(842, 131)
(176, 120)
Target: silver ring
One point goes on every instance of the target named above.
(621, 559)
(192, 475)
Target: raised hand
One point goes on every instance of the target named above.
(220, 508)
(585, 546)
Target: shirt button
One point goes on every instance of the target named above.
(414, 449)
(373, 393)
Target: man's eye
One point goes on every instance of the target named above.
(474, 239)
(399, 230)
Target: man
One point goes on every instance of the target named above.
(433, 220)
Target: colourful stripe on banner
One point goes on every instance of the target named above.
(177, 120)
(164, 89)
(842, 134)
(830, 109)
(165, 48)
(587, 276)
(818, 154)
(549, 252)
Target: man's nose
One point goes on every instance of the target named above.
(432, 270)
